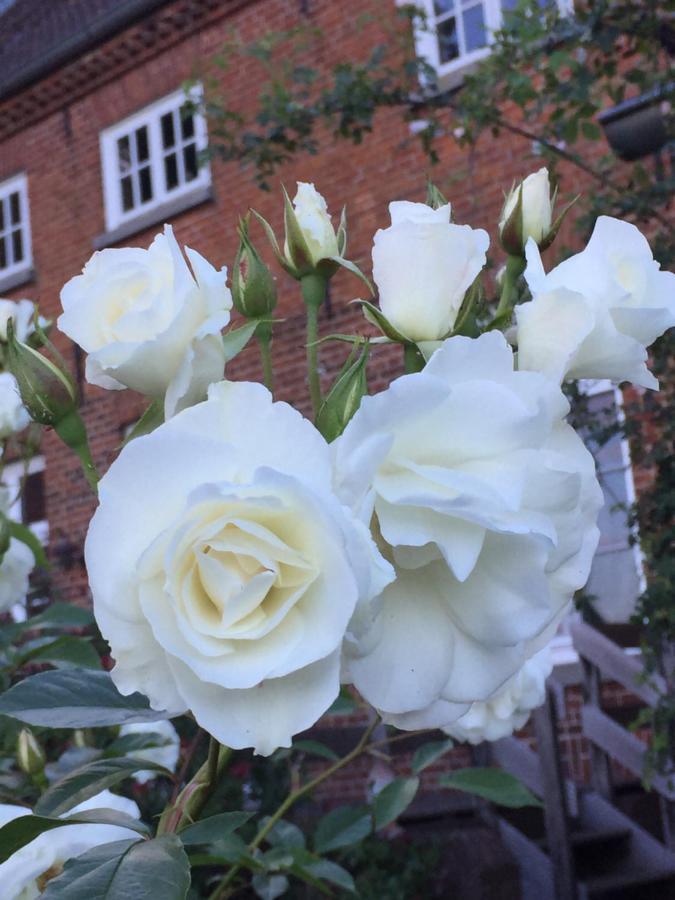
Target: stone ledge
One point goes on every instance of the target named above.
(16, 279)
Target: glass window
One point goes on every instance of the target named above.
(14, 226)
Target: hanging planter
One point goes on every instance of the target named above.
(639, 126)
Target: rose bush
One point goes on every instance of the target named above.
(486, 501)
(234, 570)
(594, 315)
(149, 322)
(423, 265)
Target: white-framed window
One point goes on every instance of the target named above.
(457, 33)
(152, 157)
(25, 482)
(15, 242)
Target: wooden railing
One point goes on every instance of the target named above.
(602, 659)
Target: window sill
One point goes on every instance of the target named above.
(163, 213)
(16, 279)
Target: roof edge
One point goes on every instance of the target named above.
(107, 25)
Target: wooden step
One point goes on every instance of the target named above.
(630, 884)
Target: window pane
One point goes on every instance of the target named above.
(2, 215)
(17, 246)
(3, 254)
(474, 28)
(141, 144)
(127, 193)
(187, 124)
(171, 171)
(447, 41)
(190, 160)
(145, 183)
(168, 133)
(441, 7)
(124, 154)
(33, 507)
(15, 208)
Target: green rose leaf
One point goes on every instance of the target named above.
(74, 698)
(428, 753)
(213, 829)
(89, 780)
(492, 784)
(122, 870)
(342, 827)
(394, 799)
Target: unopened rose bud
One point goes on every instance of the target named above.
(30, 756)
(528, 213)
(344, 398)
(47, 391)
(254, 292)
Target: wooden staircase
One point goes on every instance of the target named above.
(582, 845)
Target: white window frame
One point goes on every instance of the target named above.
(150, 116)
(426, 40)
(18, 184)
(12, 476)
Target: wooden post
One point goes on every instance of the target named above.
(556, 813)
(601, 771)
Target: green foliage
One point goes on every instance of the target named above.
(491, 784)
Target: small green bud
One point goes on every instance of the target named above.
(254, 292)
(29, 754)
(344, 398)
(47, 391)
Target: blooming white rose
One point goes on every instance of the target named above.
(234, 570)
(314, 219)
(22, 313)
(13, 414)
(24, 875)
(486, 501)
(536, 210)
(166, 754)
(594, 315)
(423, 265)
(149, 323)
(510, 708)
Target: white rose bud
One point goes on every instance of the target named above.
(311, 214)
(595, 314)
(16, 565)
(149, 322)
(423, 266)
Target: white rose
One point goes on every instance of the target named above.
(25, 874)
(423, 266)
(234, 570)
(166, 754)
(594, 315)
(15, 567)
(486, 501)
(510, 708)
(22, 313)
(537, 208)
(314, 219)
(148, 322)
(13, 414)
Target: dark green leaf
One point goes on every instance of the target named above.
(394, 799)
(74, 698)
(269, 887)
(341, 827)
(428, 753)
(316, 748)
(61, 615)
(74, 651)
(87, 781)
(19, 832)
(332, 872)
(492, 784)
(237, 338)
(125, 870)
(285, 834)
(344, 705)
(152, 418)
(215, 828)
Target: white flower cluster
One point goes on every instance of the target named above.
(242, 568)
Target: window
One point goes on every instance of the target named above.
(457, 33)
(25, 482)
(151, 158)
(15, 248)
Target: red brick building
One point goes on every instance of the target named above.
(93, 154)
